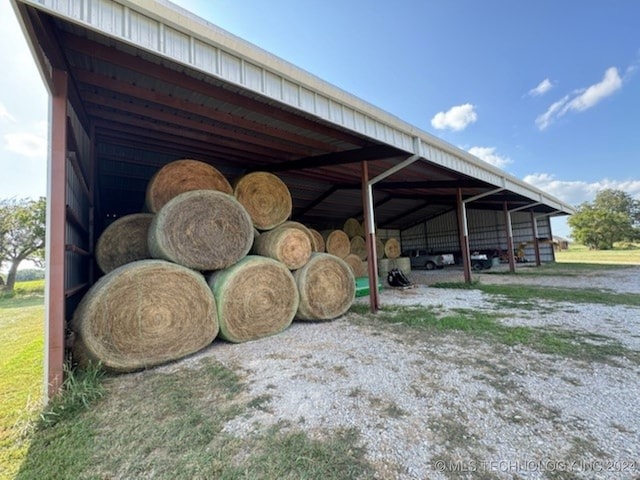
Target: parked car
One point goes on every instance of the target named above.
(423, 259)
(480, 261)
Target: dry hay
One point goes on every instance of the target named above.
(327, 288)
(392, 248)
(124, 241)
(337, 243)
(318, 245)
(256, 297)
(356, 265)
(144, 314)
(379, 249)
(359, 247)
(266, 198)
(204, 230)
(353, 228)
(304, 229)
(288, 245)
(183, 176)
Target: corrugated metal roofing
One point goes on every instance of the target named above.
(157, 83)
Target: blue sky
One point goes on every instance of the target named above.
(548, 91)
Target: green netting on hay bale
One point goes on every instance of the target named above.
(183, 176)
(124, 241)
(257, 297)
(144, 314)
(204, 230)
(326, 286)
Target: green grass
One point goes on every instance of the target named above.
(574, 345)
(581, 254)
(560, 269)
(170, 426)
(21, 367)
(531, 295)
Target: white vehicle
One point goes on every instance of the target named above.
(422, 259)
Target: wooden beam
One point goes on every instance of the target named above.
(302, 211)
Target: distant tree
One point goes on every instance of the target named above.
(22, 234)
(613, 216)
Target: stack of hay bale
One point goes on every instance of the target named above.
(208, 260)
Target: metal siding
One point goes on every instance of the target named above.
(108, 16)
(252, 76)
(290, 93)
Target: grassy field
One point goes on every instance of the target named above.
(21, 368)
(581, 254)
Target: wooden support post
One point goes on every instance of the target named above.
(56, 221)
(370, 234)
(463, 231)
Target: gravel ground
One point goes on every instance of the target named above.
(450, 405)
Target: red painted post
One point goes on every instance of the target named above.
(56, 220)
(464, 237)
(507, 224)
(370, 234)
(536, 242)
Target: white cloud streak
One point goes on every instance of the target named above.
(583, 99)
(489, 155)
(456, 118)
(26, 144)
(543, 87)
(5, 115)
(576, 192)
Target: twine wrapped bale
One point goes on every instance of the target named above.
(356, 265)
(319, 241)
(392, 248)
(256, 297)
(337, 243)
(203, 229)
(124, 241)
(144, 314)
(183, 176)
(359, 247)
(288, 245)
(265, 197)
(353, 228)
(326, 286)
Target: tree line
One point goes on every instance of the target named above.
(614, 216)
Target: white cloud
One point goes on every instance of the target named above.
(456, 118)
(543, 87)
(26, 143)
(489, 155)
(583, 99)
(576, 192)
(5, 115)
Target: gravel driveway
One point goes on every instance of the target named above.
(451, 405)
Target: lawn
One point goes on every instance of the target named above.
(21, 367)
(581, 254)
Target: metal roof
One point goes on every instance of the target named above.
(156, 83)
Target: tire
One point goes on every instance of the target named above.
(429, 265)
(477, 266)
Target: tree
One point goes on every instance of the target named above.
(22, 234)
(613, 216)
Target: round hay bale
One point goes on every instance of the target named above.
(319, 241)
(359, 247)
(353, 228)
(392, 248)
(288, 245)
(302, 228)
(379, 249)
(266, 198)
(124, 241)
(183, 176)
(356, 265)
(326, 286)
(256, 297)
(204, 230)
(337, 243)
(144, 314)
